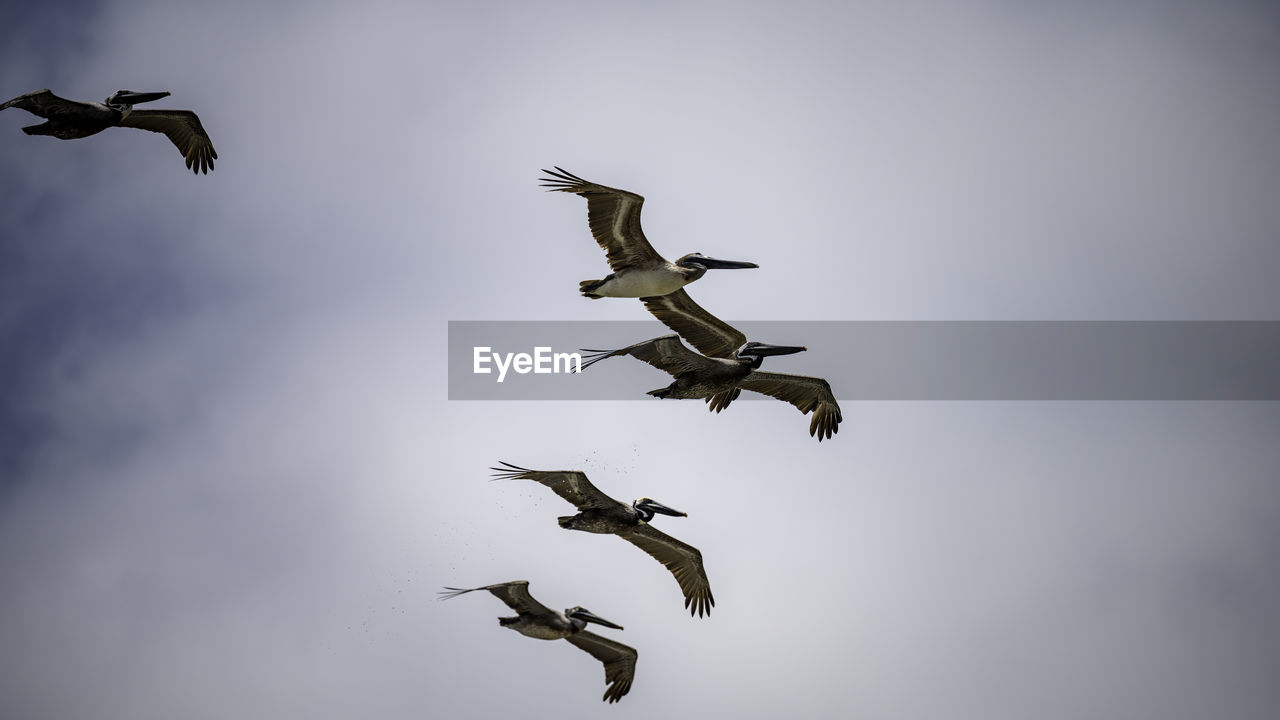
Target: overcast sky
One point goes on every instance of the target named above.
(231, 481)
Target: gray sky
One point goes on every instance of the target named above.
(231, 483)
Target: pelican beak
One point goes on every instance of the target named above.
(129, 97)
(716, 264)
(763, 350)
(663, 509)
(587, 615)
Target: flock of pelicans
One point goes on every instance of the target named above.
(599, 513)
(724, 364)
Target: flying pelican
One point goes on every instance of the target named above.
(719, 380)
(536, 620)
(638, 270)
(602, 514)
(70, 119)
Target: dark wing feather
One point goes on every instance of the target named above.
(571, 485)
(613, 216)
(47, 105)
(183, 128)
(666, 353)
(619, 661)
(515, 594)
(712, 336)
(683, 560)
(808, 394)
(721, 400)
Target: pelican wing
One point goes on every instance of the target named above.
(515, 594)
(183, 128)
(614, 218)
(683, 560)
(712, 336)
(721, 400)
(45, 104)
(571, 485)
(619, 661)
(808, 394)
(666, 353)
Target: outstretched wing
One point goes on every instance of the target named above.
(666, 353)
(619, 661)
(571, 485)
(712, 336)
(683, 560)
(515, 594)
(47, 105)
(613, 216)
(721, 400)
(808, 394)
(183, 128)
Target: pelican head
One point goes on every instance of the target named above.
(586, 616)
(648, 507)
(754, 353)
(129, 98)
(698, 260)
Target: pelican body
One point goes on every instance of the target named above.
(712, 376)
(71, 120)
(538, 621)
(719, 380)
(663, 278)
(721, 374)
(616, 519)
(603, 515)
(638, 270)
(554, 625)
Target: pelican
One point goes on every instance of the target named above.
(602, 514)
(70, 119)
(719, 380)
(638, 270)
(536, 620)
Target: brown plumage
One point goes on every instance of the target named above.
(613, 216)
(72, 119)
(538, 621)
(604, 515)
(719, 380)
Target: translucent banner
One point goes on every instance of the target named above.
(864, 360)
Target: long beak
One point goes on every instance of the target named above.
(764, 350)
(663, 509)
(137, 98)
(716, 264)
(592, 617)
